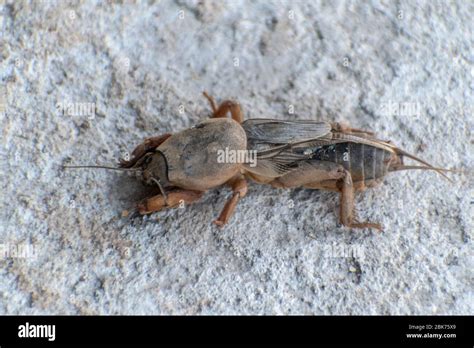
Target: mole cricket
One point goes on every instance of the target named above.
(283, 154)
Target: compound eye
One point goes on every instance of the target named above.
(199, 125)
(147, 160)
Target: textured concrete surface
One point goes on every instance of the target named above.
(84, 83)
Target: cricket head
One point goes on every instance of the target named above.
(154, 169)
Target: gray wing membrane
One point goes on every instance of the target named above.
(273, 140)
(272, 131)
(276, 142)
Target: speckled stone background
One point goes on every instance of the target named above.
(85, 82)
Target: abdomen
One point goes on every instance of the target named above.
(364, 162)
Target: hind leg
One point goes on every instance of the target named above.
(347, 208)
(310, 174)
(327, 176)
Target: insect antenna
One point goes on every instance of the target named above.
(103, 167)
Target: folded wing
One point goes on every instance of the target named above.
(280, 145)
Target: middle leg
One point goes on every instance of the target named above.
(225, 107)
(239, 189)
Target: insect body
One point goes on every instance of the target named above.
(289, 154)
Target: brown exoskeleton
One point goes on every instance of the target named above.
(310, 154)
